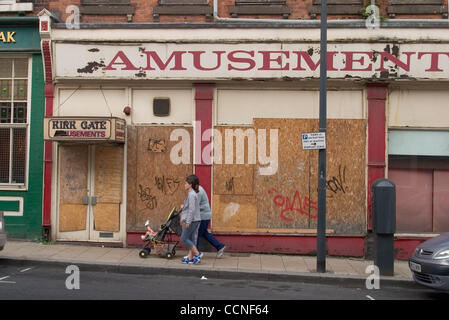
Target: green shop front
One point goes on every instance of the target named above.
(21, 122)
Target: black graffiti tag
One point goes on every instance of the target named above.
(145, 196)
(167, 185)
(230, 185)
(337, 184)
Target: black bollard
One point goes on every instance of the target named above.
(384, 224)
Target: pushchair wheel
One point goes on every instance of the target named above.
(170, 254)
(144, 252)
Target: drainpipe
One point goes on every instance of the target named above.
(45, 33)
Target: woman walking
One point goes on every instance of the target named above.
(190, 220)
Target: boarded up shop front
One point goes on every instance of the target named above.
(89, 179)
(249, 208)
(283, 200)
(286, 201)
(243, 200)
(154, 184)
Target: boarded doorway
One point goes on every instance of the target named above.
(90, 192)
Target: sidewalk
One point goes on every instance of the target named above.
(231, 265)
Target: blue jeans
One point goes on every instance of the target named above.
(202, 232)
(188, 235)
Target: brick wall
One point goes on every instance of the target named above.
(144, 11)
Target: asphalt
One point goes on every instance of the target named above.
(233, 265)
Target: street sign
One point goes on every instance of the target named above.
(314, 140)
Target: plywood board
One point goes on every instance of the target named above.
(159, 182)
(283, 198)
(234, 213)
(229, 177)
(107, 217)
(233, 179)
(72, 217)
(131, 175)
(108, 174)
(287, 200)
(345, 176)
(73, 170)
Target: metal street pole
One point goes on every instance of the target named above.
(321, 228)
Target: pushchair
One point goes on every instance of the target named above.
(163, 240)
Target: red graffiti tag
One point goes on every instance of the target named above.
(303, 206)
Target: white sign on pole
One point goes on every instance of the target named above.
(314, 140)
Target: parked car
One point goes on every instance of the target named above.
(430, 263)
(2, 231)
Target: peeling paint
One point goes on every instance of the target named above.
(141, 74)
(91, 67)
(395, 51)
(375, 54)
(384, 74)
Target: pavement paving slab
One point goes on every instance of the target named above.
(272, 263)
(41, 252)
(71, 253)
(294, 264)
(114, 255)
(227, 262)
(92, 254)
(360, 266)
(402, 269)
(252, 262)
(21, 249)
(156, 261)
(132, 258)
(50, 251)
(310, 263)
(339, 266)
